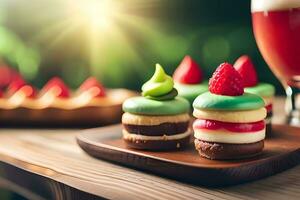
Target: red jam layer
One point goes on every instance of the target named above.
(233, 127)
(269, 108)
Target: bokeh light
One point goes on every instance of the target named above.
(116, 40)
(216, 50)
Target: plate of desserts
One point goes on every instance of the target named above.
(215, 138)
(56, 105)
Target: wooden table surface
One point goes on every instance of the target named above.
(48, 164)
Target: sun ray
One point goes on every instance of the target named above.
(105, 32)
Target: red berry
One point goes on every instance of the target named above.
(15, 85)
(226, 81)
(63, 90)
(29, 91)
(6, 75)
(188, 72)
(18, 84)
(247, 71)
(92, 82)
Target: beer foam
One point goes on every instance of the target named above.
(270, 5)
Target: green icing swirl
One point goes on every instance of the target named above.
(159, 85)
(191, 91)
(165, 97)
(209, 101)
(262, 89)
(145, 106)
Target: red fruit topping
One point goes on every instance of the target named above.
(28, 90)
(233, 127)
(93, 83)
(6, 76)
(61, 90)
(15, 85)
(247, 71)
(18, 84)
(188, 72)
(226, 81)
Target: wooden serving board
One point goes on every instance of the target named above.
(281, 152)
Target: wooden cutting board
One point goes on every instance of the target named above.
(281, 152)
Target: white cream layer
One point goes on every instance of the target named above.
(224, 136)
(132, 136)
(129, 118)
(271, 5)
(232, 116)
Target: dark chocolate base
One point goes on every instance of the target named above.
(158, 145)
(157, 130)
(269, 125)
(269, 130)
(222, 151)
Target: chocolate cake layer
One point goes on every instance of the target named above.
(158, 145)
(157, 130)
(222, 151)
(269, 114)
(268, 130)
(269, 124)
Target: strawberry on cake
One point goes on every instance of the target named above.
(266, 91)
(230, 123)
(188, 79)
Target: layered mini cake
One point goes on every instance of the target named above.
(188, 78)
(230, 123)
(266, 91)
(158, 120)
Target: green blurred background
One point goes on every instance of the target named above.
(119, 41)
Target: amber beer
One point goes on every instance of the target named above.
(276, 25)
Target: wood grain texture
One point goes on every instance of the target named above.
(51, 157)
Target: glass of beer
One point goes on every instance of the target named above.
(276, 26)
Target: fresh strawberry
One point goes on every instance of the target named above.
(247, 71)
(188, 72)
(92, 82)
(56, 82)
(226, 81)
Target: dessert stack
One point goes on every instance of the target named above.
(266, 91)
(158, 120)
(230, 123)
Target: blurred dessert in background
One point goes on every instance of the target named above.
(57, 105)
(266, 91)
(189, 80)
